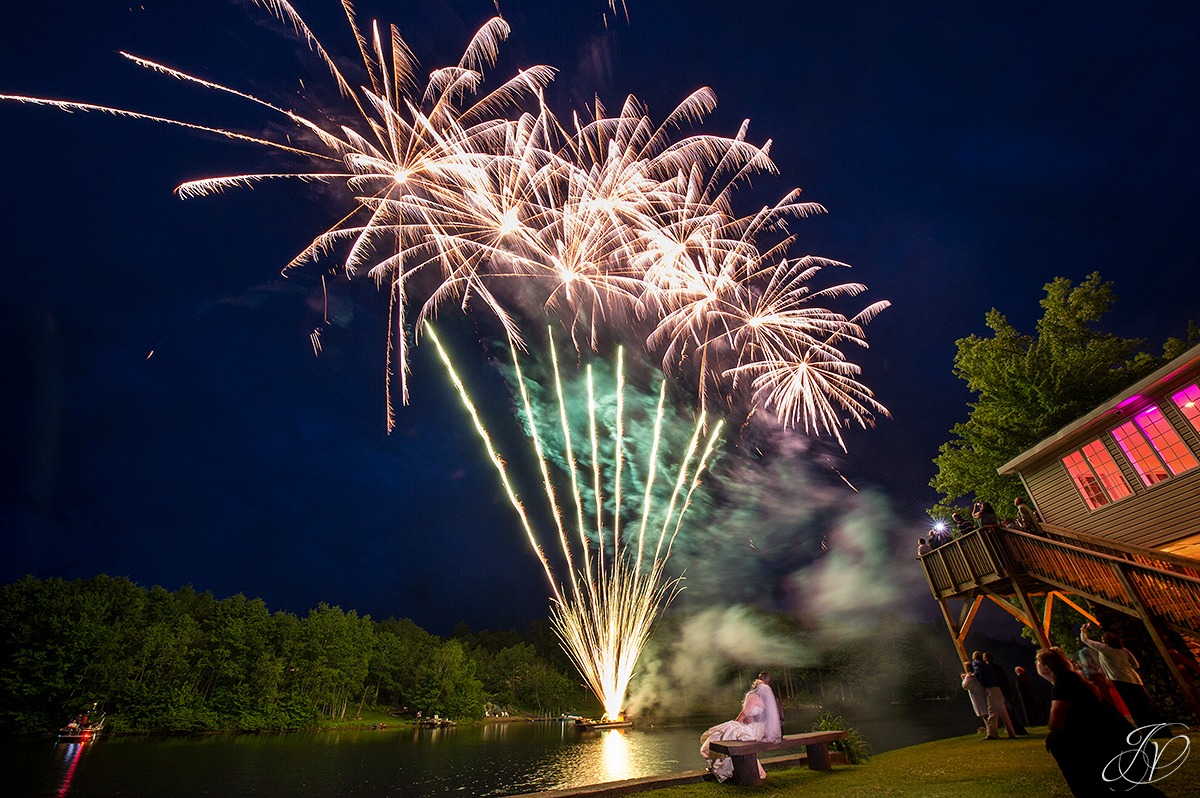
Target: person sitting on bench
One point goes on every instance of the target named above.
(760, 719)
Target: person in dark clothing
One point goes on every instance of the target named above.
(964, 525)
(985, 514)
(1087, 734)
(1007, 691)
(938, 536)
(995, 698)
(1027, 699)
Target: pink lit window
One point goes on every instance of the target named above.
(1085, 480)
(1188, 402)
(1107, 470)
(1166, 440)
(1140, 453)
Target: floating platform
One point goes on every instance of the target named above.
(591, 725)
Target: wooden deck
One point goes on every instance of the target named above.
(1009, 567)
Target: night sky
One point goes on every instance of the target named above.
(165, 417)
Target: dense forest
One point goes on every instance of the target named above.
(157, 660)
(183, 661)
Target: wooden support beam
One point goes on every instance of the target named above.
(1086, 614)
(1095, 598)
(1005, 605)
(968, 616)
(949, 619)
(1046, 613)
(1034, 622)
(1164, 651)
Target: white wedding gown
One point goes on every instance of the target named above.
(761, 714)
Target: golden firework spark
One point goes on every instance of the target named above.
(617, 587)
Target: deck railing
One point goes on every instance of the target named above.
(965, 562)
(1159, 560)
(1103, 571)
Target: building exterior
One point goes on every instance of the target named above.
(1119, 494)
(1128, 471)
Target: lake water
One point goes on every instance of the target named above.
(484, 760)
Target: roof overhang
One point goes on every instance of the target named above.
(1106, 412)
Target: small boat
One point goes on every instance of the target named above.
(587, 724)
(83, 725)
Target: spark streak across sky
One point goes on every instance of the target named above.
(615, 226)
(617, 587)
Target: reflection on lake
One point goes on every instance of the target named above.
(484, 760)
(71, 753)
(616, 757)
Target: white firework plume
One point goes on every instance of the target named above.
(614, 224)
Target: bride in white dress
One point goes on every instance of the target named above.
(758, 720)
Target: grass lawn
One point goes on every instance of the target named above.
(365, 720)
(961, 767)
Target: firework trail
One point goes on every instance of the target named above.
(615, 225)
(617, 586)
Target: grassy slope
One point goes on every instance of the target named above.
(961, 767)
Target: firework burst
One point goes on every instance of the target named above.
(612, 224)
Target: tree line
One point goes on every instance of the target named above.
(185, 661)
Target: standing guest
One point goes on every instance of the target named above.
(922, 547)
(964, 525)
(1027, 518)
(939, 536)
(1006, 689)
(978, 695)
(1120, 666)
(1089, 666)
(995, 699)
(1027, 699)
(985, 514)
(1085, 733)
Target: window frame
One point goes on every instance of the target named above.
(1149, 438)
(1140, 453)
(1187, 401)
(1096, 486)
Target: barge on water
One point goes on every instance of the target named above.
(587, 724)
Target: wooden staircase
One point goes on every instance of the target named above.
(1126, 578)
(1001, 564)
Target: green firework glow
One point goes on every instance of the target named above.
(614, 548)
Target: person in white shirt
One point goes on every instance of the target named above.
(1120, 666)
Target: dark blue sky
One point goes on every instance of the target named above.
(966, 155)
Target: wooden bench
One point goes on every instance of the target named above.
(745, 754)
